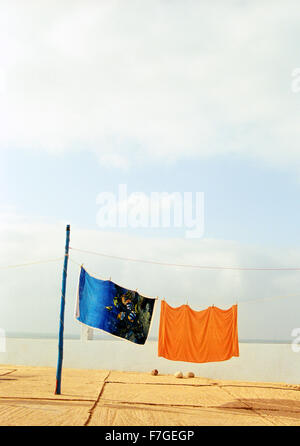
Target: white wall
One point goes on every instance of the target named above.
(257, 362)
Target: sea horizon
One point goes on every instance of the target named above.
(103, 337)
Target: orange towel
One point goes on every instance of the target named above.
(197, 336)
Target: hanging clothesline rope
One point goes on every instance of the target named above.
(157, 263)
(211, 299)
(160, 263)
(31, 263)
(128, 259)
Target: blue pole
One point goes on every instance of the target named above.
(62, 315)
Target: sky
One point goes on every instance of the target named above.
(162, 96)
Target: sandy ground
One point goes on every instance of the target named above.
(111, 398)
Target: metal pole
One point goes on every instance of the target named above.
(62, 315)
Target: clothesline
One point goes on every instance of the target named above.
(128, 259)
(31, 263)
(158, 263)
(146, 261)
(215, 300)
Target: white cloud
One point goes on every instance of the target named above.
(151, 80)
(114, 160)
(30, 296)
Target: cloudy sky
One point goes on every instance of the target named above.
(163, 96)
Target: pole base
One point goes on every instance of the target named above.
(57, 388)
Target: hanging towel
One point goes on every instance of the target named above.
(197, 336)
(104, 305)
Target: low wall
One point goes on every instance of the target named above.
(257, 362)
